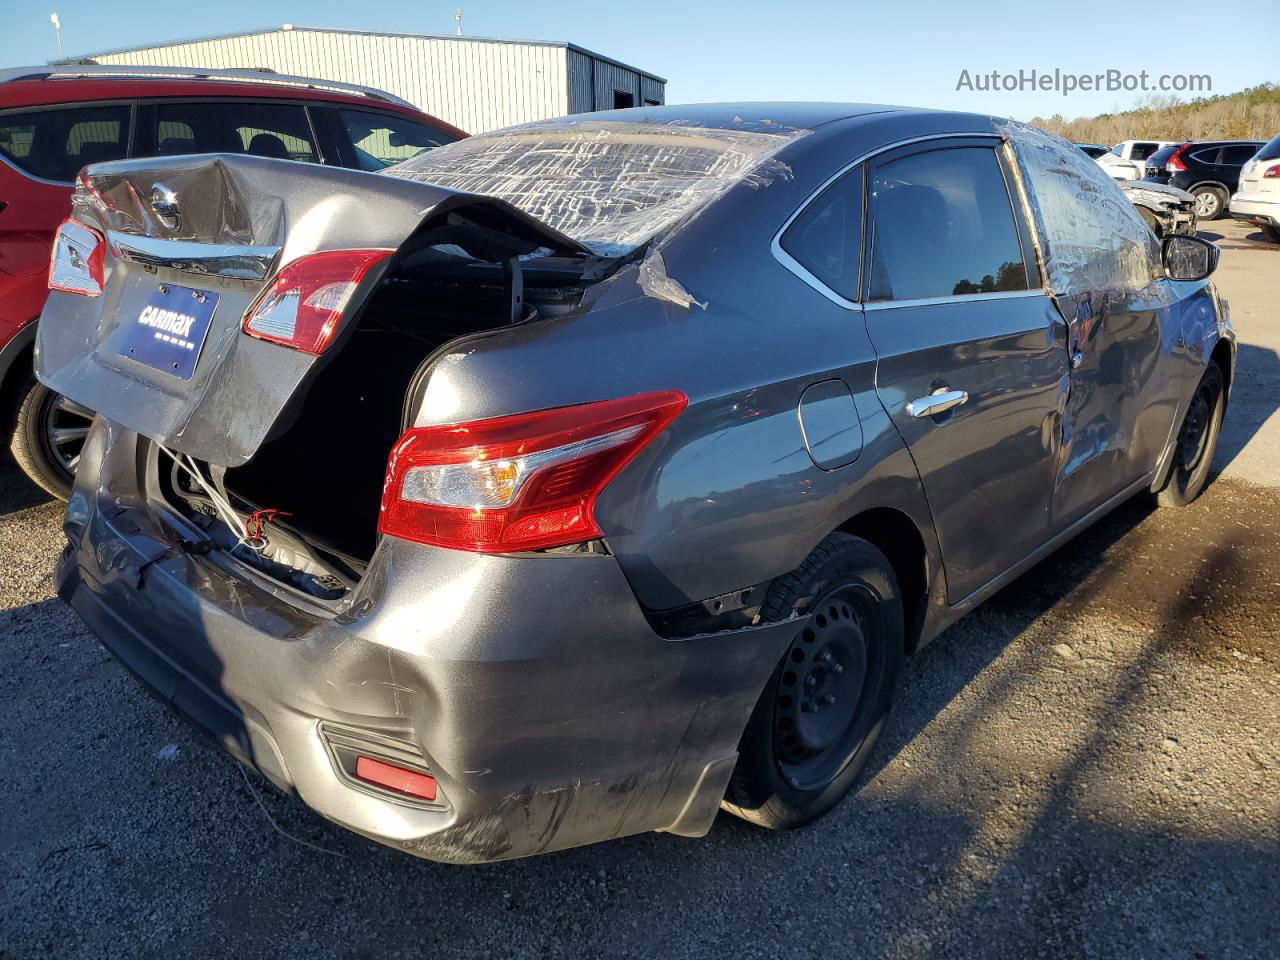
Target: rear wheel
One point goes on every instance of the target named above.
(1210, 202)
(1197, 441)
(821, 713)
(48, 432)
(1271, 232)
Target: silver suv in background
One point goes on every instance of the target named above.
(582, 478)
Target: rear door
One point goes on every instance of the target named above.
(972, 353)
(186, 244)
(41, 150)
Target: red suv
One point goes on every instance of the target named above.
(55, 120)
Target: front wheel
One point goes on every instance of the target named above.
(820, 715)
(48, 432)
(1197, 440)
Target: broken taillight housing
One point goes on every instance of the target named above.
(75, 266)
(303, 304)
(523, 482)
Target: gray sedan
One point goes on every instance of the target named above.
(584, 478)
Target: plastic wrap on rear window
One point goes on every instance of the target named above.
(610, 185)
(1092, 238)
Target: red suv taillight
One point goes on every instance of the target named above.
(1174, 162)
(303, 304)
(523, 482)
(75, 266)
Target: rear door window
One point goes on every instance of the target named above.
(943, 226)
(825, 238)
(55, 144)
(277, 130)
(381, 139)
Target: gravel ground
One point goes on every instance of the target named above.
(1089, 766)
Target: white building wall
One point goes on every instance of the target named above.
(474, 84)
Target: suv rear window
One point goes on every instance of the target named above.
(381, 139)
(55, 144)
(1161, 156)
(277, 130)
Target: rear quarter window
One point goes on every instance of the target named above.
(826, 237)
(55, 144)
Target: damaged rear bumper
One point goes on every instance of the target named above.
(531, 688)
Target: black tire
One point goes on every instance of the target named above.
(47, 434)
(1271, 232)
(1196, 441)
(1211, 202)
(795, 764)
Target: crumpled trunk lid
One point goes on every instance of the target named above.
(191, 242)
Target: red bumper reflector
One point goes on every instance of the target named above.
(396, 778)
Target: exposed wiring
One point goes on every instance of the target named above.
(220, 504)
(272, 820)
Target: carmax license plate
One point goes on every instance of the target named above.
(169, 331)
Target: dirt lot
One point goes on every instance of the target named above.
(1087, 767)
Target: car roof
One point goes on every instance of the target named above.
(47, 86)
(759, 117)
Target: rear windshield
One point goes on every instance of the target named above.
(1161, 156)
(1270, 150)
(610, 185)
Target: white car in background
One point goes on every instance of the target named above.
(1127, 159)
(1257, 198)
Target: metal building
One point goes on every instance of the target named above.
(476, 83)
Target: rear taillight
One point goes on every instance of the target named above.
(523, 482)
(1271, 173)
(75, 265)
(303, 304)
(1174, 162)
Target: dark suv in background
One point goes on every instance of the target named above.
(1209, 170)
(55, 120)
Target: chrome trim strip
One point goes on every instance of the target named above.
(215, 259)
(958, 298)
(798, 269)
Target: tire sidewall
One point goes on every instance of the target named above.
(29, 443)
(1180, 490)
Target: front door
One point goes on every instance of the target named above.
(972, 354)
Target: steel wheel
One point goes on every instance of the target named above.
(821, 689)
(818, 717)
(1196, 441)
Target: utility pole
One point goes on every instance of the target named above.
(457, 16)
(57, 29)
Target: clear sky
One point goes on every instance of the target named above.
(904, 52)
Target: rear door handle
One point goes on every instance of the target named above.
(940, 401)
